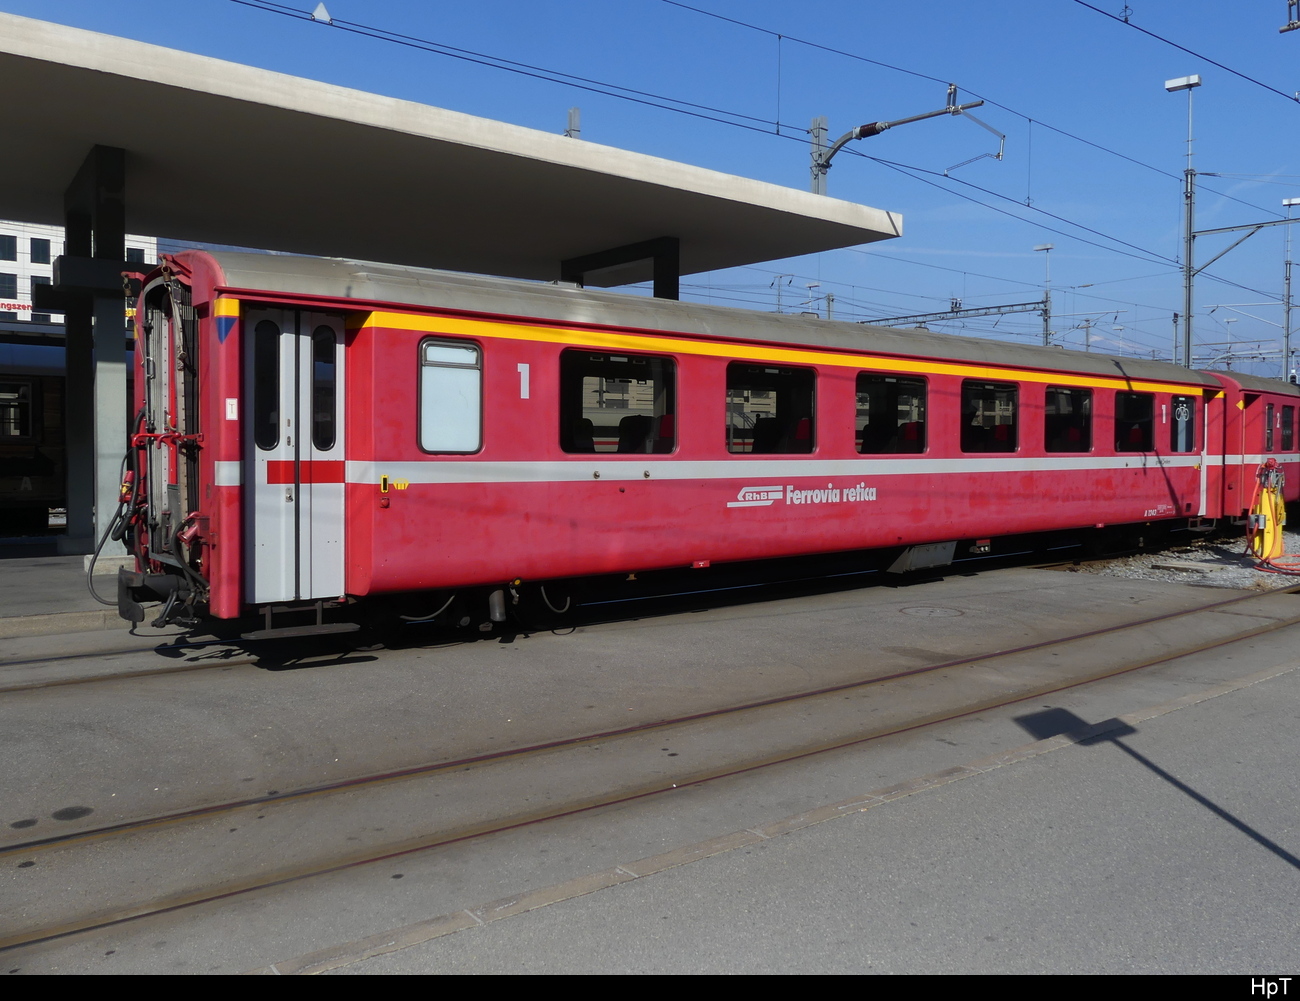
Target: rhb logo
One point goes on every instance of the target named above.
(757, 496)
(790, 494)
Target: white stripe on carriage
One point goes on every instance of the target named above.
(632, 468)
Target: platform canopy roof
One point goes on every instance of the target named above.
(222, 153)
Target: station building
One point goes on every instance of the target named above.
(27, 252)
(33, 470)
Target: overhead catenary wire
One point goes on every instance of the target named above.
(1148, 257)
(1072, 289)
(1294, 98)
(1077, 290)
(988, 100)
(772, 127)
(1152, 257)
(875, 62)
(681, 106)
(1158, 257)
(1138, 327)
(663, 102)
(868, 310)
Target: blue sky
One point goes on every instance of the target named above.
(1045, 67)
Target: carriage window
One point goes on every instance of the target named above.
(1182, 429)
(451, 393)
(15, 411)
(989, 419)
(769, 410)
(1268, 427)
(1067, 420)
(617, 403)
(266, 384)
(891, 414)
(1134, 421)
(323, 371)
(1288, 429)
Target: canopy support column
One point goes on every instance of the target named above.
(96, 420)
(620, 266)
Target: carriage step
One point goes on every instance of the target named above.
(318, 628)
(289, 632)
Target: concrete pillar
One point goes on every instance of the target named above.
(95, 220)
(621, 263)
(110, 412)
(79, 430)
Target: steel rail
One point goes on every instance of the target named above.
(437, 839)
(608, 613)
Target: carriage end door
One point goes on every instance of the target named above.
(294, 368)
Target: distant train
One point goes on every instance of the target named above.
(314, 432)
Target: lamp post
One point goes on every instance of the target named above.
(1187, 83)
(1047, 249)
(1286, 297)
(813, 294)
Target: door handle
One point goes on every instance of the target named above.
(288, 495)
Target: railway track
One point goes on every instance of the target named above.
(601, 607)
(188, 857)
(213, 655)
(52, 661)
(670, 593)
(222, 654)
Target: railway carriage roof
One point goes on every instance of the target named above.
(1254, 382)
(560, 304)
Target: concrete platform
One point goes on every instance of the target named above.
(47, 595)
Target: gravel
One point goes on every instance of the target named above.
(1222, 558)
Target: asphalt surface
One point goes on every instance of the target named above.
(1163, 851)
(1071, 858)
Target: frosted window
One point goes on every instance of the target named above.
(451, 390)
(1182, 430)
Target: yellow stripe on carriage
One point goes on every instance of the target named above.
(667, 343)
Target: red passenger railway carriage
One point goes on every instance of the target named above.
(312, 432)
